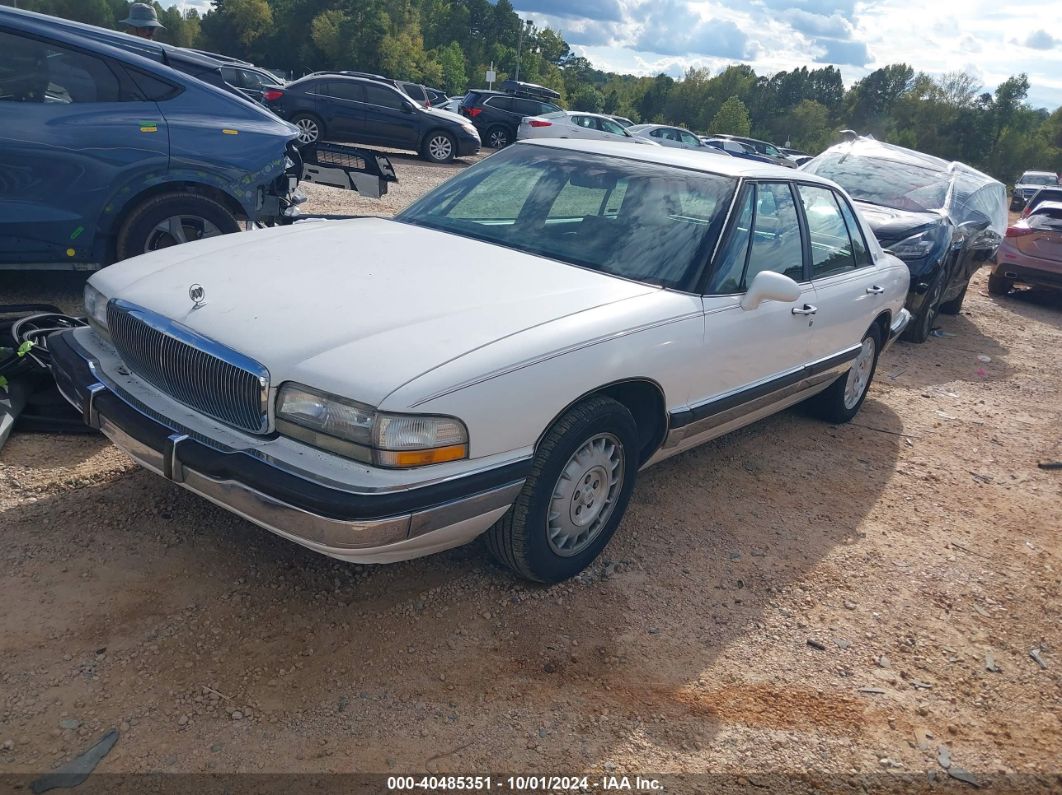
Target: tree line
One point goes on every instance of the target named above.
(449, 44)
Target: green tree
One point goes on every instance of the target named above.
(588, 99)
(732, 118)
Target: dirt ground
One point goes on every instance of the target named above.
(795, 598)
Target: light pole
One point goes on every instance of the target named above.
(520, 46)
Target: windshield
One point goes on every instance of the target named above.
(1038, 179)
(879, 180)
(643, 221)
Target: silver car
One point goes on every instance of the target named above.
(571, 124)
(672, 136)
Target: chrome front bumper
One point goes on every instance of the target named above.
(360, 527)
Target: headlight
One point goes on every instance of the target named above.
(96, 308)
(468, 128)
(358, 431)
(917, 246)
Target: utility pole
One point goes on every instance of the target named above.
(520, 46)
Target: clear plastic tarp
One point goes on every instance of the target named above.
(881, 173)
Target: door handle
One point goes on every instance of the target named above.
(875, 290)
(807, 309)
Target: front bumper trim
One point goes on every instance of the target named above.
(410, 526)
(897, 327)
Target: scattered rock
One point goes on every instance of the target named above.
(990, 664)
(848, 605)
(815, 644)
(69, 723)
(1035, 654)
(882, 661)
(944, 756)
(237, 715)
(963, 775)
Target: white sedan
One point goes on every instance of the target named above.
(570, 124)
(502, 358)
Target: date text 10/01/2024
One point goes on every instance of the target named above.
(522, 783)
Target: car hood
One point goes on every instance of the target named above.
(362, 307)
(891, 224)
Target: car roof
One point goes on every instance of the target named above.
(682, 158)
(1038, 173)
(1048, 206)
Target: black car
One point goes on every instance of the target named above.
(415, 91)
(943, 219)
(497, 114)
(435, 96)
(249, 80)
(762, 148)
(362, 110)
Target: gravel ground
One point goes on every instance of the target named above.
(795, 597)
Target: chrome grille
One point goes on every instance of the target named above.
(190, 368)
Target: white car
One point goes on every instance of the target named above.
(570, 124)
(501, 358)
(674, 137)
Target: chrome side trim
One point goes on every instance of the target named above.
(552, 355)
(90, 415)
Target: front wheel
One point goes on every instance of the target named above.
(580, 483)
(842, 400)
(922, 323)
(171, 219)
(439, 148)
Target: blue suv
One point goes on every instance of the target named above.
(106, 152)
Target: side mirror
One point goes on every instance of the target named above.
(770, 286)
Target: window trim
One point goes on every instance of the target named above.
(843, 201)
(807, 233)
(127, 89)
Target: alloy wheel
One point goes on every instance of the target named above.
(309, 132)
(179, 229)
(440, 148)
(859, 375)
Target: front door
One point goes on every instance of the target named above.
(74, 131)
(389, 119)
(341, 104)
(752, 359)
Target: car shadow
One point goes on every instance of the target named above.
(1038, 303)
(469, 661)
(956, 351)
(58, 288)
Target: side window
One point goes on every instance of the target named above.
(251, 79)
(831, 248)
(772, 151)
(776, 242)
(501, 103)
(657, 133)
(33, 71)
(384, 97)
(583, 121)
(546, 107)
(610, 126)
(343, 90)
(730, 264)
(231, 75)
(527, 107)
(855, 234)
(689, 138)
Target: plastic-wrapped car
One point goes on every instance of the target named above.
(943, 219)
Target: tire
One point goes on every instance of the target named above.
(569, 470)
(439, 147)
(954, 306)
(841, 401)
(999, 285)
(171, 219)
(922, 323)
(311, 128)
(499, 137)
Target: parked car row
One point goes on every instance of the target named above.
(1028, 184)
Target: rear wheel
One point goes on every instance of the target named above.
(172, 219)
(499, 137)
(575, 497)
(439, 147)
(311, 128)
(844, 397)
(999, 285)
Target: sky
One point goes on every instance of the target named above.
(989, 39)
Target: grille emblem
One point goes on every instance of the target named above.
(197, 294)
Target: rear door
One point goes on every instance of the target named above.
(74, 131)
(341, 105)
(388, 118)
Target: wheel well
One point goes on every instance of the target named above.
(198, 188)
(644, 399)
(884, 324)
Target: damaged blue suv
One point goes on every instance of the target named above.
(106, 153)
